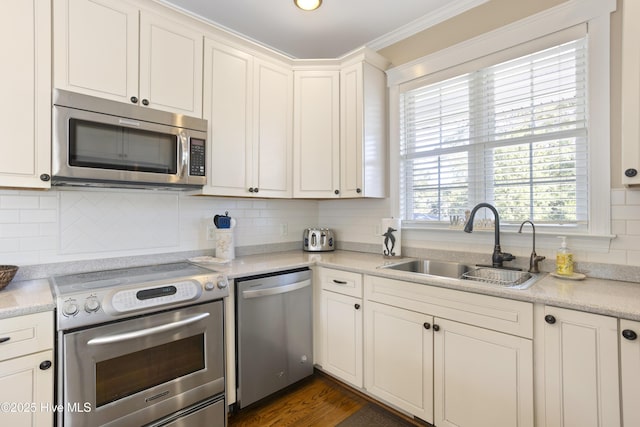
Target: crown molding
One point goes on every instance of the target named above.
(447, 11)
(557, 18)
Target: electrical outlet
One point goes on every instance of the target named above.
(284, 229)
(211, 232)
(377, 230)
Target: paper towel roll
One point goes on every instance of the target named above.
(225, 245)
(392, 233)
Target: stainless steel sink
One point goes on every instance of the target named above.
(513, 279)
(431, 267)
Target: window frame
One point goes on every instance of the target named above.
(528, 34)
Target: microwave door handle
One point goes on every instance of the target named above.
(110, 339)
(184, 151)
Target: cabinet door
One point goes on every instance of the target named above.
(170, 65)
(341, 334)
(228, 86)
(399, 358)
(25, 87)
(351, 128)
(482, 378)
(24, 384)
(316, 134)
(580, 369)
(630, 113)
(273, 130)
(630, 372)
(363, 131)
(96, 48)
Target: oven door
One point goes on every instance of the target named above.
(136, 371)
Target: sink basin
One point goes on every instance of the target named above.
(513, 279)
(431, 267)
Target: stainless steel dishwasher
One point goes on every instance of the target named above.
(274, 333)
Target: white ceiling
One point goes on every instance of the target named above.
(338, 27)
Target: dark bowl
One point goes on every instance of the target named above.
(6, 274)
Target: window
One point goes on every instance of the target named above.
(513, 134)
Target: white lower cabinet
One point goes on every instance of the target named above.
(399, 358)
(630, 372)
(482, 378)
(339, 325)
(342, 337)
(581, 377)
(26, 370)
(424, 357)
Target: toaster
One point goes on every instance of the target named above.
(318, 240)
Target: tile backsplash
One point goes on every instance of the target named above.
(41, 227)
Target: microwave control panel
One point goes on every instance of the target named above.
(197, 157)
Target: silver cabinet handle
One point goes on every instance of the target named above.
(109, 339)
(255, 293)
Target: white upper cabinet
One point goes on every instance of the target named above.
(316, 134)
(112, 49)
(170, 65)
(630, 93)
(340, 133)
(363, 147)
(25, 87)
(248, 102)
(272, 129)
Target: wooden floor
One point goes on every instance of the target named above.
(317, 401)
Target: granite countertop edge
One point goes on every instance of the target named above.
(599, 296)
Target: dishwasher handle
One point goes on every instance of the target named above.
(275, 290)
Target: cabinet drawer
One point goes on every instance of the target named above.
(499, 314)
(343, 282)
(26, 334)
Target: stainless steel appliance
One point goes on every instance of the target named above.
(274, 333)
(98, 142)
(318, 240)
(141, 346)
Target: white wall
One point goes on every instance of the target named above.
(41, 227)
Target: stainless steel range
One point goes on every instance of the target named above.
(141, 346)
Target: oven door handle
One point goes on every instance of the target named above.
(109, 339)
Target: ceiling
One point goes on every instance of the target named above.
(336, 28)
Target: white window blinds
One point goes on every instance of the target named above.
(512, 134)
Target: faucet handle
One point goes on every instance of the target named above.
(507, 256)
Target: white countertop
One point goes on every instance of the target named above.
(25, 297)
(608, 297)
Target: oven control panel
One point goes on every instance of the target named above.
(107, 304)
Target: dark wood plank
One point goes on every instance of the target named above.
(317, 401)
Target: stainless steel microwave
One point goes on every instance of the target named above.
(98, 142)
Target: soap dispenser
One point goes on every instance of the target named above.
(564, 259)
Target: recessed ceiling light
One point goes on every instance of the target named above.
(308, 4)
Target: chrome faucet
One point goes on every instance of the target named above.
(498, 256)
(534, 259)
